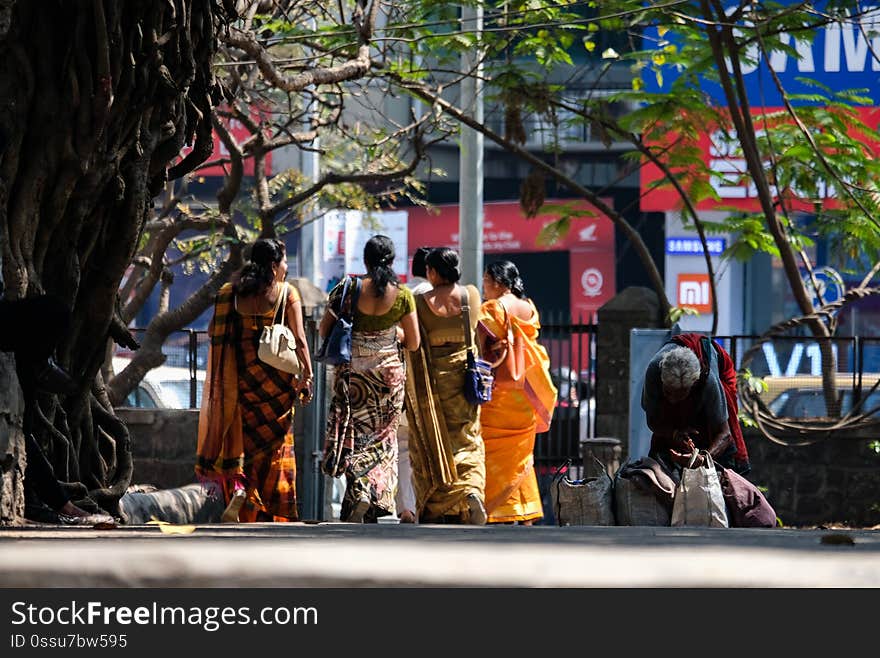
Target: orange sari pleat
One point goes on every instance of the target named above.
(511, 420)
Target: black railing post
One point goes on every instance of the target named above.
(193, 367)
(860, 368)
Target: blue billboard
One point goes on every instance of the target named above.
(840, 57)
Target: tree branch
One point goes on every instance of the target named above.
(635, 239)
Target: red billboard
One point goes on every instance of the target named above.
(507, 230)
(589, 241)
(723, 155)
(240, 134)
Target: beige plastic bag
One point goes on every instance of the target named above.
(698, 498)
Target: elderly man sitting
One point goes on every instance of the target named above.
(689, 398)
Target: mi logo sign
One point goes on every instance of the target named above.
(694, 292)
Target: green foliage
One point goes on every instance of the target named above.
(755, 384)
(677, 312)
(751, 236)
(835, 154)
(746, 420)
(552, 232)
(553, 68)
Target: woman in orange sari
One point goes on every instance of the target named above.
(245, 447)
(523, 398)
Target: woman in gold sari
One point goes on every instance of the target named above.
(523, 398)
(245, 445)
(445, 446)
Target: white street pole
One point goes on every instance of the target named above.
(311, 235)
(470, 175)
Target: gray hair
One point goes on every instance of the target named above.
(679, 369)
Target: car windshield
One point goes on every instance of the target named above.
(810, 403)
(175, 393)
(139, 398)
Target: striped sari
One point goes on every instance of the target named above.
(245, 423)
(512, 418)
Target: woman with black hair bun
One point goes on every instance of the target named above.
(446, 449)
(523, 398)
(361, 437)
(245, 445)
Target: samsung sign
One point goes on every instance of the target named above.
(693, 246)
(838, 56)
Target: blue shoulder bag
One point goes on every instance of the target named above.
(336, 348)
(478, 377)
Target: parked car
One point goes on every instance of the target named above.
(165, 387)
(801, 396)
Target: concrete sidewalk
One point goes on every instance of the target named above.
(388, 555)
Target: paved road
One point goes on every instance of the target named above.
(346, 555)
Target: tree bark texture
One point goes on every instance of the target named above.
(98, 98)
(12, 457)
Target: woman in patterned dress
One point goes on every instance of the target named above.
(368, 393)
(245, 444)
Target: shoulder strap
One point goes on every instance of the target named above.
(466, 316)
(345, 285)
(282, 301)
(354, 298)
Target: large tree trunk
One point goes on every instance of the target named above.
(12, 458)
(99, 97)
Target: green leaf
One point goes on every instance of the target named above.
(701, 189)
(553, 231)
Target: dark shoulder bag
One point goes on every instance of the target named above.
(478, 379)
(336, 348)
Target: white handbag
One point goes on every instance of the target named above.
(277, 343)
(698, 498)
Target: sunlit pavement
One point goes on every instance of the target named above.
(390, 555)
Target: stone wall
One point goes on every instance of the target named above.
(834, 481)
(632, 308)
(164, 445)
(12, 451)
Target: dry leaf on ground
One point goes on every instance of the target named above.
(170, 528)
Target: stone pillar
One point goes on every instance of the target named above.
(12, 451)
(605, 450)
(633, 308)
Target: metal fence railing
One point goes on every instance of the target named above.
(176, 384)
(572, 351)
(791, 369)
